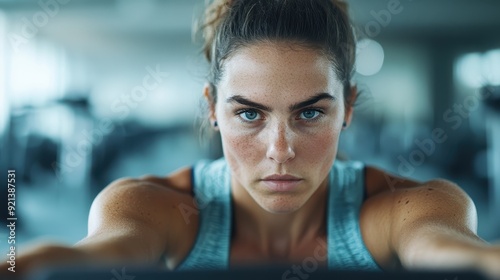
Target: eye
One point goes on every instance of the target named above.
(248, 115)
(309, 114)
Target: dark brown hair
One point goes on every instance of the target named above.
(319, 24)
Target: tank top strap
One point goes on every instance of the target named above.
(346, 248)
(212, 192)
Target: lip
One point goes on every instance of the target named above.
(281, 183)
(277, 177)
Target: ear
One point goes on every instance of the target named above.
(207, 94)
(349, 107)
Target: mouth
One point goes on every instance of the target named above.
(281, 183)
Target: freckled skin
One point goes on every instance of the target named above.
(279, 142)
(139, 221)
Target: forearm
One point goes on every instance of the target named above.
(88, 252)
(438, 249)
(44, 255)
(441, 249)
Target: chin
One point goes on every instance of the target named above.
(280, 205)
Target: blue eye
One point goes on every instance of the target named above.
(249, 115)
(309, 114)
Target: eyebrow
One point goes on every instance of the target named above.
(312, 100)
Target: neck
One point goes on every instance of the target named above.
(278, 234)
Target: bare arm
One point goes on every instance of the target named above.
(430, 226)
(130, 221)
(441, 231)
(127, 214)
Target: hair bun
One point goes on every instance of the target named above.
(214, 14)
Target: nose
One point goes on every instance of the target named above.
(279, 148)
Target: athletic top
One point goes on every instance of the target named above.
(212, 192)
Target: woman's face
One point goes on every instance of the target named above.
(280, 112)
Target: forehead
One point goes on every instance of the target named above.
(278, 69)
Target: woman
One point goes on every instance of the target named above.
(280, 94)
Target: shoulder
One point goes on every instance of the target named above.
(148, 206)
(379, 181)
(146, 193)
(395, 204)
(381, 185)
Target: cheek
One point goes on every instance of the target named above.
(241, 145)
(320, 147)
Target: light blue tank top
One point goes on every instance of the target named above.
(212, 190)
